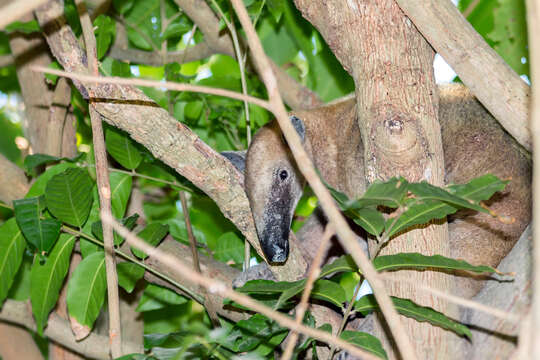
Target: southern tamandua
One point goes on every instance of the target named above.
(474, 144)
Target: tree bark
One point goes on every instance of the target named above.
(397, 109)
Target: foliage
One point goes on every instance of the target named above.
(60, 212)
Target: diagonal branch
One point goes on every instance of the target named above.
(345, 234)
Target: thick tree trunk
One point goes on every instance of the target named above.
(397, 108)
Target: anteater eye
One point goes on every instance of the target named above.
(283, 175)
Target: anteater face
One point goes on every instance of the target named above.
(273, 186)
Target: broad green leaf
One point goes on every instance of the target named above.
(480, 188)
(23, 27)
(69, 196)
(365, 341)
(34, 160)
(120, 192)
(177, 229)
(12, 247)
(86, 289)
(122, 148)
(419, 214)
(128, 275)
(390, 193)
(408, 308)
(152, 234)
(269, 286)
(425, 191)
(369, 219)
(86, 246)
(229, 247)
(105, 30)
(156, 297)
(420, 262)
(328, 291)
(47, 279)
(38, 187)
(40, 233)
(342, 264)
(178, 27)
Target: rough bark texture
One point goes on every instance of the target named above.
(170, 141)
(492, 337)
(397, 109)
(485, 73)
(30, 50)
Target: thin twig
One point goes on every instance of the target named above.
(345, 234)
(504, 315)
(104, 189)
(85, 78)
(470, 8)
(313, 274)
(346, 315)
(16, 9)
(220, 288)
(533, 24)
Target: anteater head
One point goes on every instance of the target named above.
(273, 185)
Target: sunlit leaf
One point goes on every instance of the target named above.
(128, 275)
(365, 341)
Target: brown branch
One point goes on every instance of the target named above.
(17, 343)
(104, 188)
(345, 234)
(59, 331)
(491, 80)
(6, 60)
(17, 9)
(220, 288)
(533, 26)
(84, 78)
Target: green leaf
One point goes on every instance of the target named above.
(247, 334)
(408, 308)
(123, 6)
(128, 223)
(128, 275)
(328, 291)
(38, 187)
(69, 196)
(152, 234)
(342, 264)
(40, 233)
(421, 262)
(12, 247)
(480, 188)
(365, 341)
(34, 160)
(229, 247)
(390, 193)
(86, 289)
(105, 30)
(369, 219)
(20, 288)
(120, 192)
(23, 27)
(425, 191)
(47, 279)
(122, 149)
(419, 214)
(156, 297)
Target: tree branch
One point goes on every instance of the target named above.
(13, 183)
(346, 236)
(485, 73)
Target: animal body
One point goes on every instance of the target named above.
(474, 144)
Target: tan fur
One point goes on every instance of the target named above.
(474, 144)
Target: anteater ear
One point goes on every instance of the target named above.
(299, 126)
(238, 159)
